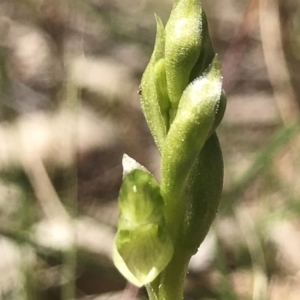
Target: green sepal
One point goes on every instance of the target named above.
(149, 97)
(182, 47)
(142, 246)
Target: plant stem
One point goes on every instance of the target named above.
(171, 280)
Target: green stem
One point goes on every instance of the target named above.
(152, 290)
(171, 280)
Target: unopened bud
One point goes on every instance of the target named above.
(142, 246)
(182, 47)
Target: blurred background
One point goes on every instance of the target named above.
(69, 75)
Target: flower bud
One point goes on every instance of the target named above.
(189, 131)
(182, 46)
(142, 246)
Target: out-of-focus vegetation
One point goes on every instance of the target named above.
(69, 72)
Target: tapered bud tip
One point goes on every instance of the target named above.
(129, 164)
(207, 85)
(216, 67)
